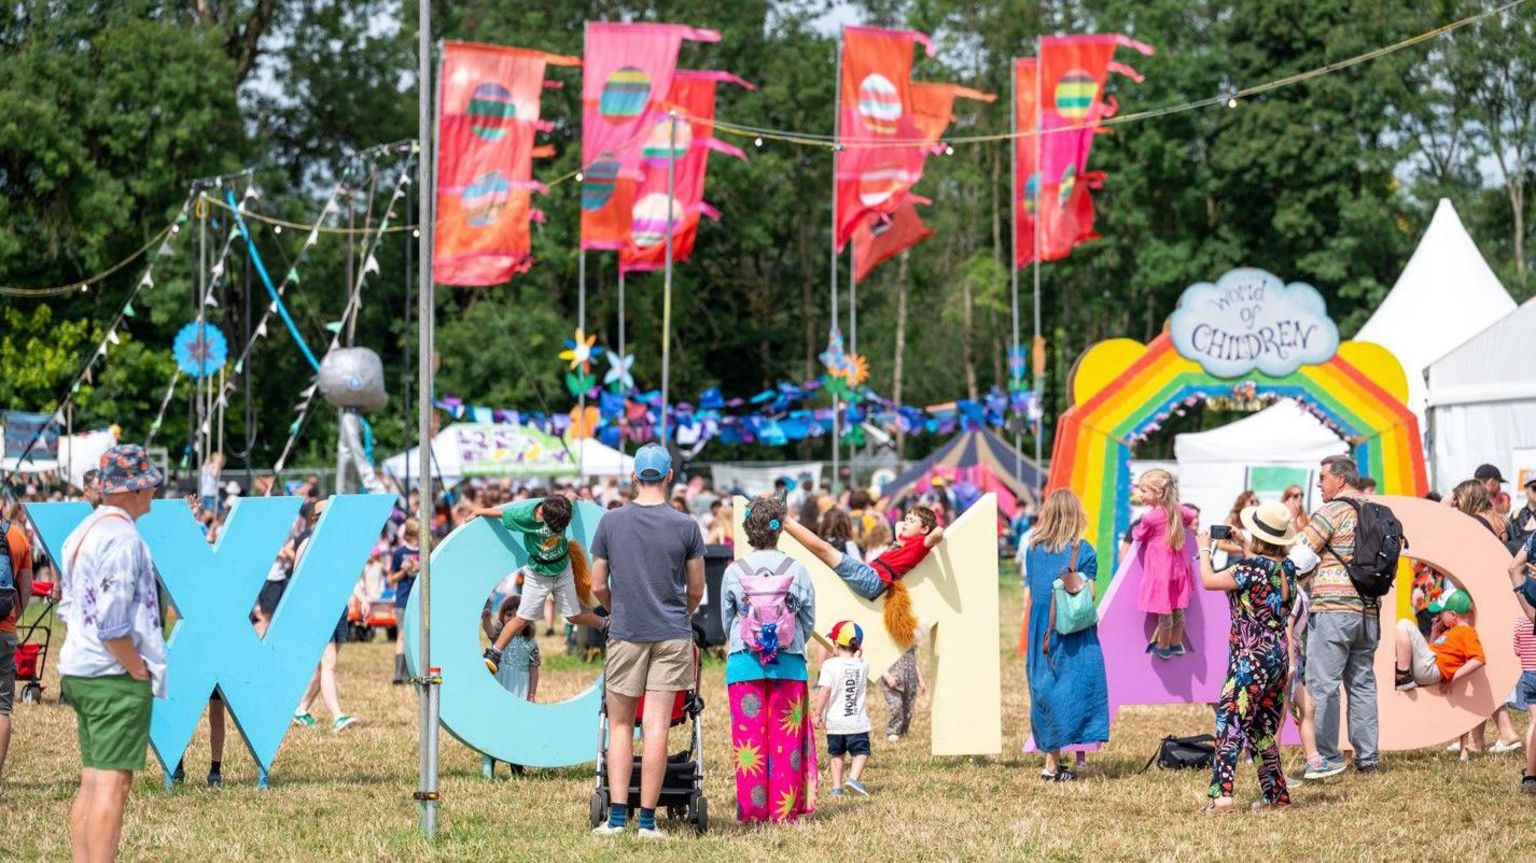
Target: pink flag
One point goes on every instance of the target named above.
(693, 97)
(629, 70)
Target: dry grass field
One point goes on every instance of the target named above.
(348, 797)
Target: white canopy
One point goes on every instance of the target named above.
(1215, 465)
(596, 458)
(1445, 295)
(1482, 402)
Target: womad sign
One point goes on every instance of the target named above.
(1248, 320)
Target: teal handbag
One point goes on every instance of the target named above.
(1072, 608)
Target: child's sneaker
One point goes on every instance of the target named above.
(1176, 649)
(304, 720)
(856, 787)
(342, 722)
(215, 779)
(837, 792)
(653, 833)
(1322, 769)
(1403, 680)
(492, 659)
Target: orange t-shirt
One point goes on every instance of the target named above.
(21, 558)
(1455, 648)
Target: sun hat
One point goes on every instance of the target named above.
(653, 463)
(1270, 522)
(126, 468)
(1452, 600)
(846, 633)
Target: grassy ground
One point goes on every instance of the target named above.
(348, 797)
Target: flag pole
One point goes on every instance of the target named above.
(1039, 372)
(623, 390)
(428, 679)
(1013, 262)
(666, 282)
(837, 122)
(581, 327)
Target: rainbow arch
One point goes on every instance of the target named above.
(1120, 389)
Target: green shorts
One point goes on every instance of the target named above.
(112, 719)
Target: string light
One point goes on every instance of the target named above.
(277, 229)
(949, 150)
(758, 141)
(578, 176)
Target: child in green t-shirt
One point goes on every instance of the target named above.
(554, 564)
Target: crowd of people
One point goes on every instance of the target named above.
(1304, 624)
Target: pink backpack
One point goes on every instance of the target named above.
(768, 620)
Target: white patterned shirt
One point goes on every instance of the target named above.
(109, 592)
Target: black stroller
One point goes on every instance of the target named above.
(682, 789)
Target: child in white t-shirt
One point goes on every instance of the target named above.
(840, 707)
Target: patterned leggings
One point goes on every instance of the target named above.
(775, 750)
(901, 702)
(1250, 711)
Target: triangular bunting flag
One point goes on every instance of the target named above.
(112, 337)
(333, 326)
(128, 311)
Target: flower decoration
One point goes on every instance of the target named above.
(581, 351)
(858, 370)
(200, 349)
(618, 377)
(584, 423)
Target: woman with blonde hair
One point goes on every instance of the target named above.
(1471, 498)
(1068, 695)
(1167, 580)
(1296, 503)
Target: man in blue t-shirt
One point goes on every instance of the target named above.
(648, 569)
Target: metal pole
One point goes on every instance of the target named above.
(1039, 376)
(405, 395)
(853, 335)
(666, 281)
(428, 678)
(623, 390)
(837, 125)
(581, 324)
(1013, 259)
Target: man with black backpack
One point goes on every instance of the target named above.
(15, 588)
(1358, 543)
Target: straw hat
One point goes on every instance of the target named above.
(1270, 522)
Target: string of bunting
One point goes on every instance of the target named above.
(216, 277)
(354, 304)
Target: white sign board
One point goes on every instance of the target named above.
(1249, 320)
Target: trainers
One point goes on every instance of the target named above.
(1454, 747)
(306, 719)
(607, 830)
(179, 775)
(653, 833)
(342, 722)
(1065, 775)
(1527, 784)
(837, 792)
(856, 787)
(1176, 649)
(1404, 680)
(215, 779)
(1500, 747)
(492, 658)
(1162, 652)
(1367, 769)
(892, 738)
(1323, 769)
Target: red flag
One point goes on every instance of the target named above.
(693, 97)
(489, 107)
(933, 107)
(876, 108)
(1053, 177)
(629, 71)
(882, 238)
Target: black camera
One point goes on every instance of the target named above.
(1221, 531)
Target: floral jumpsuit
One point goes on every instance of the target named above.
(1253, 698)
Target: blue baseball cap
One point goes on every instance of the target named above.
(653, 463)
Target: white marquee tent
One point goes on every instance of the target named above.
(1445, 295)
(1482, 402)
(1213, 466)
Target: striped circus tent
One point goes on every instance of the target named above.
(977, 457)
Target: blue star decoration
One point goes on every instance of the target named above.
(200, 349)
(618, 378)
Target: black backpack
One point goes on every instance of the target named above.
(1379, 542)
(1184, 753)
(8, 598)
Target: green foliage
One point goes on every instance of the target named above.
(107, 111)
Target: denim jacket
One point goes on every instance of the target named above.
(802, 600)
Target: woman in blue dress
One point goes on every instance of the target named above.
(1069, 699)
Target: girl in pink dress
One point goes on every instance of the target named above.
(1166, 582)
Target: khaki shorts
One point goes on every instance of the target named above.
(537, 588)
(637, 667)
(1426, 671)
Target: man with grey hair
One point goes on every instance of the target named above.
(1343, 627)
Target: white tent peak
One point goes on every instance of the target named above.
(1446, 294)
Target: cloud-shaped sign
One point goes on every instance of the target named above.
(1249, 319)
